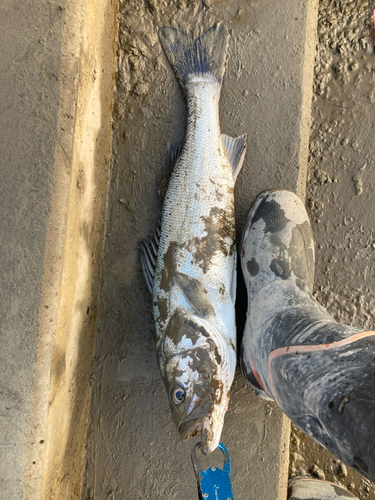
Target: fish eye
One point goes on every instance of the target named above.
(178, 394)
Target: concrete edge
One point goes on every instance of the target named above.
(308, 77)
(54, 249)
(61, 381)
(283, 459)
(305, 123)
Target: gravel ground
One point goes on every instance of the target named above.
(340, 193)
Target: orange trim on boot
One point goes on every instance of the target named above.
(256, 375)
(296, 349)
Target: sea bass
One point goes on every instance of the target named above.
(190, 262)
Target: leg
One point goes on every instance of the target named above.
(321, 373)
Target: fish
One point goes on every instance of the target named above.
(189, 261)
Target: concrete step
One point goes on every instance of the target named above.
(266, 93)
(56, 147)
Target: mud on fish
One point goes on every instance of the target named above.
(190, 260)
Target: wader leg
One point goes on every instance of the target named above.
(321, 373)
(328, 390)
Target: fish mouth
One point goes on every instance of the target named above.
(210, 432)
(190, 429)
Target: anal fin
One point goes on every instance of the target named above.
(195, 293)
(236, 150)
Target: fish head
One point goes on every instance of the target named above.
(196, 379)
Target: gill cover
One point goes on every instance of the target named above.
(192, 375)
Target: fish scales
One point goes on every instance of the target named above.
(198, 211)
(194, 280)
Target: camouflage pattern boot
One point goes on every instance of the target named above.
(319, 372)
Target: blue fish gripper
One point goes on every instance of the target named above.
(213, 483)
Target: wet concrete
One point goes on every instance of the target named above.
(133, 449)
(340, 195)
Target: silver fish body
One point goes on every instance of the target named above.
(194, 282)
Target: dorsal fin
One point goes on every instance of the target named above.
(235, 149)
(149, 254)
(166, 168)
(149, 248)
(195, 293)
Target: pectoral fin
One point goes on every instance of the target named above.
(195, 293)
(235, 149)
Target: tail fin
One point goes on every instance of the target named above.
(190, 57)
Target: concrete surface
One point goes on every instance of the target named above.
(56, 101)
(30, 66)
(340, 196)
(57, 71)
(133, 449)
(70, 369)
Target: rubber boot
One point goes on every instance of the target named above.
(321, 373)
(308, 488)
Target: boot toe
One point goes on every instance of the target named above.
(277, 241)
